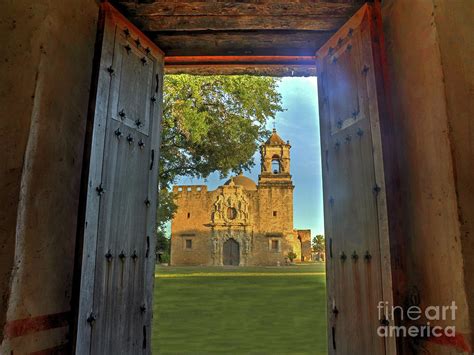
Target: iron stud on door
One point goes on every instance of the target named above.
(91, 319)
(122, 114)
(109, 256)
(365, 70)
(355, 113)
(100, 190)
(376, 189)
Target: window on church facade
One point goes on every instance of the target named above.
(189, 243)
(231, 213)
(275, 245)
(275, 213)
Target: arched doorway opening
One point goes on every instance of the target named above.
(231, 252)
(300, 247)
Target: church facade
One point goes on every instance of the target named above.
(241, 223)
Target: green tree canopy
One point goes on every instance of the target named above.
(212, 124)
(318, 243)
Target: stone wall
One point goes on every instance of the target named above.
(270, 200)
(306, 249)
(46, 65)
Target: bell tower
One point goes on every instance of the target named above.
(275, 162)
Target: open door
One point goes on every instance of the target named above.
(117, 230)
(350, 84)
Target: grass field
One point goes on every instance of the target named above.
(265, 310)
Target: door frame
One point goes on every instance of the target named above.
(306, 61)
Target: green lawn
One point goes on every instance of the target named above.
(264, 310)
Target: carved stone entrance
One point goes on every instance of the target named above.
(231, 252)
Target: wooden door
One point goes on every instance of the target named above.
(120, 195)
(351, 110)
(231, 252)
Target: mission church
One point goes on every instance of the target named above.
(241, 222)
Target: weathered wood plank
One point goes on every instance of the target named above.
(233, 8)
(149, 23)
(353, 177)
(276, 70)
(119, 217)
(290, 60)
(92, 179)
(240, 42)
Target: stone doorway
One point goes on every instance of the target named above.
(231, 252)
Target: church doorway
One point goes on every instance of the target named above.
(231, 252)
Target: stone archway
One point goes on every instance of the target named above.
(231, 252)
(299, 248)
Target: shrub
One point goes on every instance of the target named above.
(292, 256)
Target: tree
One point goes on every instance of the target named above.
(291, 256)
(211, 124)
(163, 245)
(319, 244)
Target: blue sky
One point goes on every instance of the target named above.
(300, 125)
